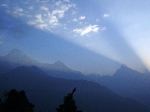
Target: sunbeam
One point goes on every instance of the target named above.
(120, 34)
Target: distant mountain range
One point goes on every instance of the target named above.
(46, 85)
(16, 58)
(46, 92)
(128, 83)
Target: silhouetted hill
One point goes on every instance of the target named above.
(127, 82)
(46, 92)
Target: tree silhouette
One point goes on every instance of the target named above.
(15, 101)
(69, 104)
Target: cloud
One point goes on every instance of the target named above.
(43, 14)
(106, 15)
(50, 18)
(75, 20)
(4, 5)
(38, 22)
(49, 15)
(82, 18)
(17, 11)
(87, 29)
(44, 8)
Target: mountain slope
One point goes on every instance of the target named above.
(47, 92)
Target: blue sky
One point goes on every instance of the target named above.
(113, 29)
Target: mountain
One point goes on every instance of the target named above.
(60, 70)
(46, 92)
(58, 66)
(16, 57)
(128, 83)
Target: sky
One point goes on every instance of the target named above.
(92, 36)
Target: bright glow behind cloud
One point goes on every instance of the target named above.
(134, 23)
(139, 41)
